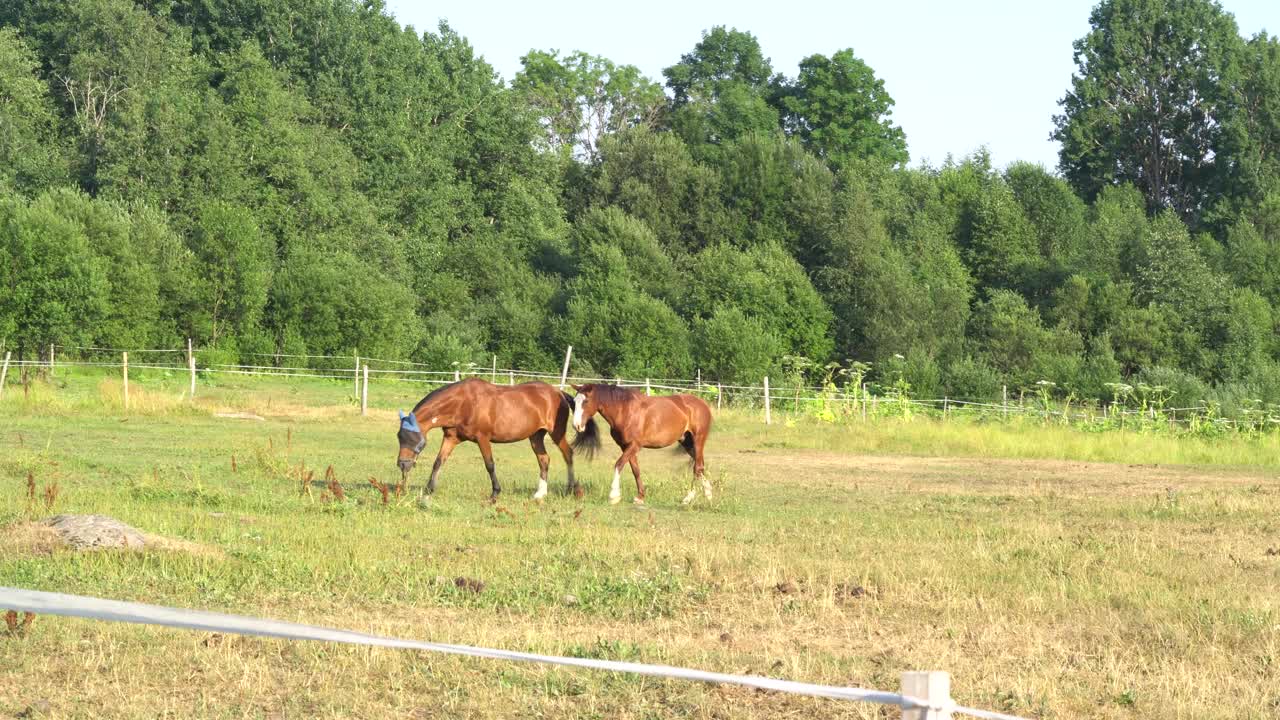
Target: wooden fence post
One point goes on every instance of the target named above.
(125, 365)
(457, 375)
(767, 419)
(493, 376)
(719, 396)
(364, 392)
(1004, 394)
(511, 377)
(946, 408)
(932, 687)
(355, 378)
(191, 365)
(51, 363)
(647, 389)
(564, 372)
(699, 379)
(4, 372)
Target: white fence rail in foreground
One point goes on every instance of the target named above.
(925, 695)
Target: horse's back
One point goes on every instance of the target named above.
(508, 413)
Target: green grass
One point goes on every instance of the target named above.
(1132, 585)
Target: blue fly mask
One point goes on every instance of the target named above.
(410, 423)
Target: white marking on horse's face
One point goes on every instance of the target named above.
(433, 420)
(578, 423)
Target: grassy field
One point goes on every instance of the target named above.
(1054, 573)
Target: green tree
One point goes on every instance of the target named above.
(582, 97)
(29, 156)
(617, 327)
(235, 269)
(52, 287)
(765, 283)
(840, 111)
(338, 305)
(1148, 100)
(653, 177)
(720, 90)
(733, 347)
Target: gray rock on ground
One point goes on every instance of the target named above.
(89, 532)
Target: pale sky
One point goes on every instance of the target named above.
(962, 74)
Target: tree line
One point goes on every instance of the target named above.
(311, 177)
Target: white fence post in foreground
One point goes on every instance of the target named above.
(719, 396)
(4, 372)
(564, 372)
(355, 378)
(125, 365)
(50, 359)
(511, 377)
(932, 687)
(364, 392)
(767, 419)
(1004, 400)
(647, 390)
(457, 375)
(493, 375)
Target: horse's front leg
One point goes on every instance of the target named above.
(446, 447)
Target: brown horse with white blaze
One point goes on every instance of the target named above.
(478, 411)
(638, 421)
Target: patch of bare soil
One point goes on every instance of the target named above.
(875, 469)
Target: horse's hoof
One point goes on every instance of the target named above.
(615, 499)
(424, 501)
(638, 501)
(689, 498)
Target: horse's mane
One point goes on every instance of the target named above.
(615, 394)
(431, 395)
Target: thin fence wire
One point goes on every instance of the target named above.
(794, 398)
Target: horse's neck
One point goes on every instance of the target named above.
(616, 408)
(439, 412)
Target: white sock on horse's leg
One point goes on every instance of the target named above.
(706, 487)
(542, 489)
(615, 493)
(693, 493)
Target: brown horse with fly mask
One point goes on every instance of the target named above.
(478, 411)
(637, 421)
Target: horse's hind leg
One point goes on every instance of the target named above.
(699, 473)
(628, 455)
(486, 451)
(563, 443)
(635, 471)
(540, 449)
(687, 443)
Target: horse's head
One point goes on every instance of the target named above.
(412, 440)
(585, 406)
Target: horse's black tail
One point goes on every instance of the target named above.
(586, 442)
(685, 445)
